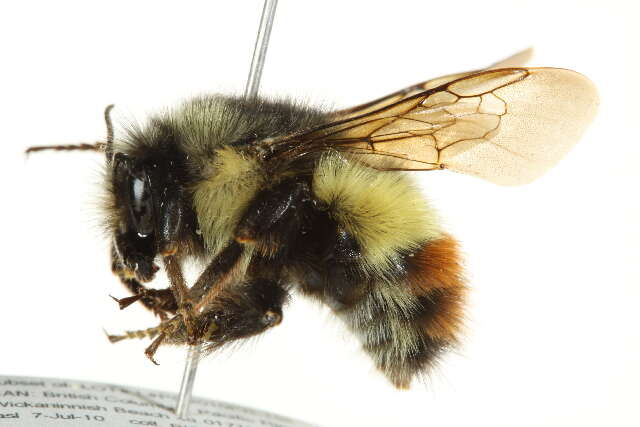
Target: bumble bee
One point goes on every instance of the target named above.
(273, 196)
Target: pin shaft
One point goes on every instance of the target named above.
(251, 90)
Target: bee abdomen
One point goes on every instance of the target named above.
(406, 327)
(435, 278)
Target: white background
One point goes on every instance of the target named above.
(553, 334)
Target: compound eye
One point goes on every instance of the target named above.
(141, 204)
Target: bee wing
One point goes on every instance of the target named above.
(517, 60)
(507, 126)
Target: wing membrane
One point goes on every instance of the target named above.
(517, 60)
(507, 126)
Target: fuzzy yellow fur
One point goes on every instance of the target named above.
(384, 211)
(230, 183)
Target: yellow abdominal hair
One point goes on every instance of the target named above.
(384, 210)
(220, 199)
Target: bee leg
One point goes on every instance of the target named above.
(270, 221)
(139, 334)
(159, 301)
(160, 333)
(244, 310)
(220, 272)
(180, 292)
(150, 351)
(212, 281)
(275, 216)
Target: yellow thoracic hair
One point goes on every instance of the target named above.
(221, 198)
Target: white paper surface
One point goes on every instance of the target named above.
(33, 401)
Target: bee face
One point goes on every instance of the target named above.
(149, 208)
(135, 235)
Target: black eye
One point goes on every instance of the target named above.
(133, 192)
(141, 204)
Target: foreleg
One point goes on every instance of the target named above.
(159, 301)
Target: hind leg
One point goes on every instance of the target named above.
(243, 310)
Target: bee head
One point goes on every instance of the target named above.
(147, 207)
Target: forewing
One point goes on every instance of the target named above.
(539, 114)
(507, 126)
(398, 96)
(517, 60)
